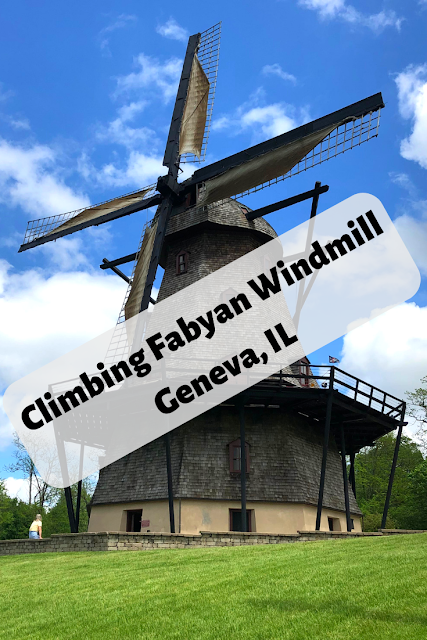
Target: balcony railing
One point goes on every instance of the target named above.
(326, 377)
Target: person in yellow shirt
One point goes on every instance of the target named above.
(36, 528)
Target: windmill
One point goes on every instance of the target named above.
(240, 174)
(237, 175)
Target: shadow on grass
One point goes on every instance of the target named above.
(337, 607)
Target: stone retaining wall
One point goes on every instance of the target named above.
(120, 541)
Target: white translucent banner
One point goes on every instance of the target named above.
(212, 340)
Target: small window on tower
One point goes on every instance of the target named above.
(182, 260)
(235, 452)
(304, 371)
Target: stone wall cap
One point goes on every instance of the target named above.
(340, 533)
(248, 533)
(402, 531)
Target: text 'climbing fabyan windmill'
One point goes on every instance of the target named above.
(240, 174)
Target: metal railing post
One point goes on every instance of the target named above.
(393, 466)
(325, 449)
(345, 478)
(243, 526)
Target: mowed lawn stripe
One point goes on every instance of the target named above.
(367, 588)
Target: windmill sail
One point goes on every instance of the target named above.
(97, 211)
(133, 302)
(290, 153)
(207, 64)
(261, 169)
(195, 111)
(53, 227)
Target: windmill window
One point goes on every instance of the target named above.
(304, 371)
(182, 261)
(236, 519)
(133, 520)
(235, 454)
(334, 524)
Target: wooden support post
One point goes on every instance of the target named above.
(345, 478)
(79, 497)
(243, 525)
(393, 467)
(64, 472)
(325, 449)
(70, 509)
(170, 485)
(352, 476)
(79, 486)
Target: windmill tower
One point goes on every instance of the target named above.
(290, 473)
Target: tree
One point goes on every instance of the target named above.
(45, 494)
(372, 469)
(56, 520)
(15, 516)
(418, 479)
(418, 410)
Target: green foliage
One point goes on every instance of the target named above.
(372, 467)
(16, 516)
(56, 520)
(372, 522)
(360, 589)
(418, 410)
(418, 479)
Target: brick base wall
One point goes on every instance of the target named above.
(120, 541)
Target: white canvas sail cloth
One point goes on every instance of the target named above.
(133, 304)
(91, 213)
(195, 111)
(266, 167)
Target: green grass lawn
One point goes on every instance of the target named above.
(371, 588)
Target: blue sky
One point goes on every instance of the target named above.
(86, 96)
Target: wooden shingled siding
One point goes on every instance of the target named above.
(285, 455)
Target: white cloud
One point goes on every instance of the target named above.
(119, 131)
(138, 170)
(172, 30)
(19, 488)
(413, 232)
(120, 22)
(16, 122)
(6, 430)
(129, 111)
(66, 255)
(44, 316)
(276, 70)
(390, 351)
(5, 94)
(264, 121)
(329, 9)
(412, 95)
(272, 119)
(412, 228)
(404, 181)
(152, 76)
(29, 178)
